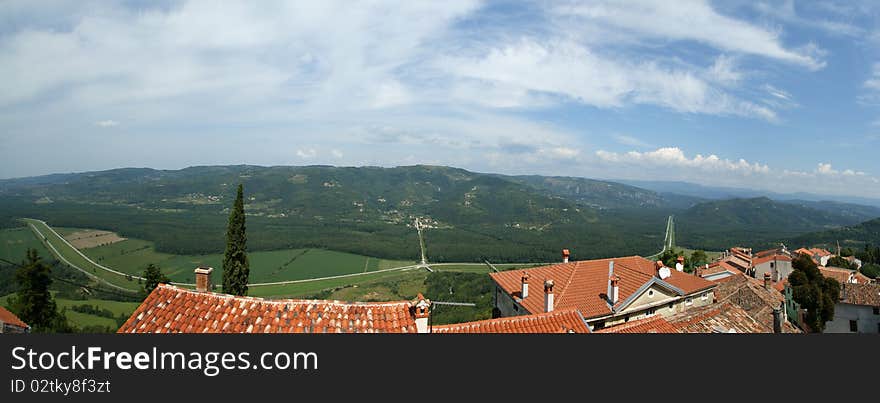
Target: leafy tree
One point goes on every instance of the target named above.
(236, 268)
(670, 257)
(699, 257)
(871, 270)
(813, 292)
(837, 261)
(153, 276)
(34, 303)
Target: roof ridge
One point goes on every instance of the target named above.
(568, 283)
(279, 301)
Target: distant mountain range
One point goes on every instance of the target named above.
(368, 210)
(720, 192)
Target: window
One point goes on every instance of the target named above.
(771, 265)
(599, 325)
(877, 310)
(689, 301)
(650, 312)
(650, 293)
(853, 326)
(705, 296)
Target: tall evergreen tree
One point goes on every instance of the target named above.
(152, 277)
(813, 292)
(236, 268)
(34, 303)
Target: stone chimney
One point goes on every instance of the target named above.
(203, 279)
(777, 319)
(615, 289)
(525, 285)
(548, 295)
(767, 280)
(565, 255)
(422, 311)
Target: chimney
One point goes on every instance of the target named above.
(548, 295)
(525, 285)
(422, 312)
(662, 271)
(565, 255)
(203, 279)
(679, 263)
(777, 320)
(767, 280)
(615, 290)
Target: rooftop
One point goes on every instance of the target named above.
(10, 318)
(584, 285)
(563, 321)
(860, 294)
(169, 309)
(653, 324)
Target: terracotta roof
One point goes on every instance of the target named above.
(717, 268)
(768, 258)
(583, 285)
(820, 252)
(653, 324)
(169, 309)
(10, 318)
(842, 275)
(723, 317)
(565, 321)
(750, 295)
(860, 294)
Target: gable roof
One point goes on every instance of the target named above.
(11, 319)
(653, 324)
(843, 275)
(771, 257)
(565, 321)
(583, 285)
(169, 309)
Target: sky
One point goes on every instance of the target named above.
(771, 95)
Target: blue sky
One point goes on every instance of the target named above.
(776, 95)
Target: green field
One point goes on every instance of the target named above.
(133, 255)
(81, 320)
(14, 242)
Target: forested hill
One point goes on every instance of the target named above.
(855, 236)
(755, 222)
(363, 210)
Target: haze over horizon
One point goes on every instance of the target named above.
(778, 96)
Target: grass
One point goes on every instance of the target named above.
(73, 257)
(14, 243)
(133, 255)
(83, 319)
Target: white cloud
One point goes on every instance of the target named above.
(694, 20)
(675, 157)
(336, 153)
(566, 69)
(106, 123)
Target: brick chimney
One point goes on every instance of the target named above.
(565, 255)
(615, 289)
(203, 279)
(422, 311)
(525, 285)
(767, 280)
(548, 295)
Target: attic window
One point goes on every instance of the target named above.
(705, 296)
(650, 293)
(689, 301)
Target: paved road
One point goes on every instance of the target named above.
(668, 239)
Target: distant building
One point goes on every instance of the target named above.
(606, 292)
(777, 262)
(169, 309)
(844, 275)
(858, 310)
(10, 323)
(819, 256)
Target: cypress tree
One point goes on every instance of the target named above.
(152, 277)
(236, 268)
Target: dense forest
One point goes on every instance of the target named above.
(370, 211)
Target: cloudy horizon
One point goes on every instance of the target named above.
(781, 96)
